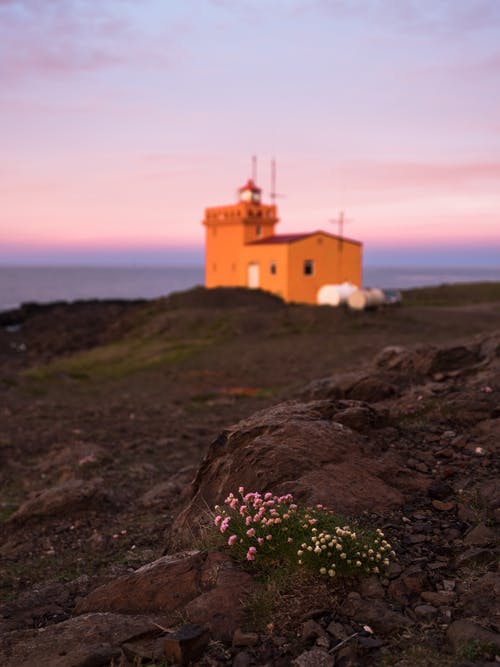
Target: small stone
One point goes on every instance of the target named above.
(314, 658)
(415, 582)
(480, 536)
(394, 570)
(186, 644)
(311, 630)
(370, 642)
(466, 514)
(315, 613)
(337, 631)
(440, 490)
(323, 642)
(443, 506)
(425, 611)
(241, 638)
(242, 659)
(438, 598)
(449, 584)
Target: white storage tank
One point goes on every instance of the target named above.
(366, 298)
(334, 295)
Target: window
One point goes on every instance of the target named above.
(308, 267)
(258, 230)
(272, 268)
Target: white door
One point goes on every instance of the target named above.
(253, 276)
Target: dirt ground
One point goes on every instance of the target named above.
(129, 396)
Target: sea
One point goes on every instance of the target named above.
(21, 284)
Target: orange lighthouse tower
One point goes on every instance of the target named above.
(243, 250)
(228, 229)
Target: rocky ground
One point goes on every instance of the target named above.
(122, 422)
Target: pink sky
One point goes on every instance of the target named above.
(123, 119)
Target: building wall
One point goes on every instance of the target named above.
(334, 261)
(227, 229)
(264, 255)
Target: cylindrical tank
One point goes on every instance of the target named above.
(334, 295)
(366, 298)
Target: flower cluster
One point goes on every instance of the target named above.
(258, 525)
(344, 551)
(269, 528)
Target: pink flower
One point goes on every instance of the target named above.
(289, 540)
(260, 540)
(248, 520)
(251, 553)
(231, 540)
(224, 525)
(233, 503)
(268, 496)
(241, 489)
(251, 532)
(269, 538)
(487, 390)
(217, 519)
(243, 509)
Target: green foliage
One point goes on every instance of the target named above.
(476, 650)
(272, 531)
(120, 359)
(458, 294)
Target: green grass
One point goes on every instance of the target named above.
(459, 294)
(122, 358)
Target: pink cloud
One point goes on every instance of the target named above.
(52, 38)
(396, 175)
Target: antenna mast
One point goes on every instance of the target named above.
(340, 222)
(254, 168)
(273, 181)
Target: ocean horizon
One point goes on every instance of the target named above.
(45, 284)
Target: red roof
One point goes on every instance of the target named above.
(279, 238)
(250, 185)
(291, 238)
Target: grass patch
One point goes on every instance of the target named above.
(458, 294)
(419, 655)
(122, 358)
(478, 650)
(283, 598)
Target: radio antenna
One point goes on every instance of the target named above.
(340, 222)
(254, 168)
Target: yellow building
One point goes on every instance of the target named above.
(243, 250)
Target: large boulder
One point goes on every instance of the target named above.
(64, 499)
(296, 448)
(206, 588)
(87, 641)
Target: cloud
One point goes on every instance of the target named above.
(58, 37)
(421, 175)
(421, 16)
